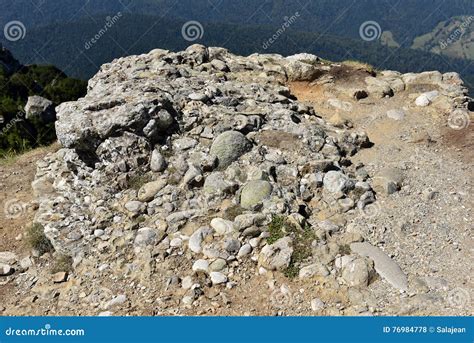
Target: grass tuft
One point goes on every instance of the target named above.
(302, 239)
(37, 239)
(62, 263)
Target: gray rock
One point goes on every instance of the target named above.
(216, 184)
(157, 161)
(218, 265)
(300, 71)
(148, 191)
(222, 227)
(184, 143)
(315, 269)
(196, 239)
(39, 107)
(118, 300)
(229, 146)
(217, 278)
(148, 237)
(388, 181)
(277, 256)
(335, 181)
(135, 206)
(384, 265)
(201, 266)
(426, 99)
(187, 282)
(244, 221)
(5, 269)
(8, 257)
(397, 114)
(244, 250)
(317, 305)
(254, 192)
(356, 273)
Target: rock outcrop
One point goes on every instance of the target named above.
(203, 163)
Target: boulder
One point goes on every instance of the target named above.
(40, 108)
(384, 265)
(229, 146)
(277, 256)
(254, 192)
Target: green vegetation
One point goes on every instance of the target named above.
(37, 239)
(18, 134)
(62, 263)
(302, 239)
(137, 181)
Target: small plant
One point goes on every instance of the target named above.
(37, 239)
(232, 212)
(62, 263)
(302, 239)
(278, 228)
(137, 181)
(345, 249)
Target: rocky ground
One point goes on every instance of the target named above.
(204, 183)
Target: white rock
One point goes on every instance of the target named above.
(187, 300)
(176, 242)
(317, 305)
(218, 278)
(187, 282)
(396, 114)
(244, 250)
(201, 266)
(8, 257)
(277, 256)
(384, 265)
(426, 99)
(105, 314)
(5, 269)
(335, 181)
(196, 239)
(315, 269)
(118, 300)
(222, 227)
(26, 262)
